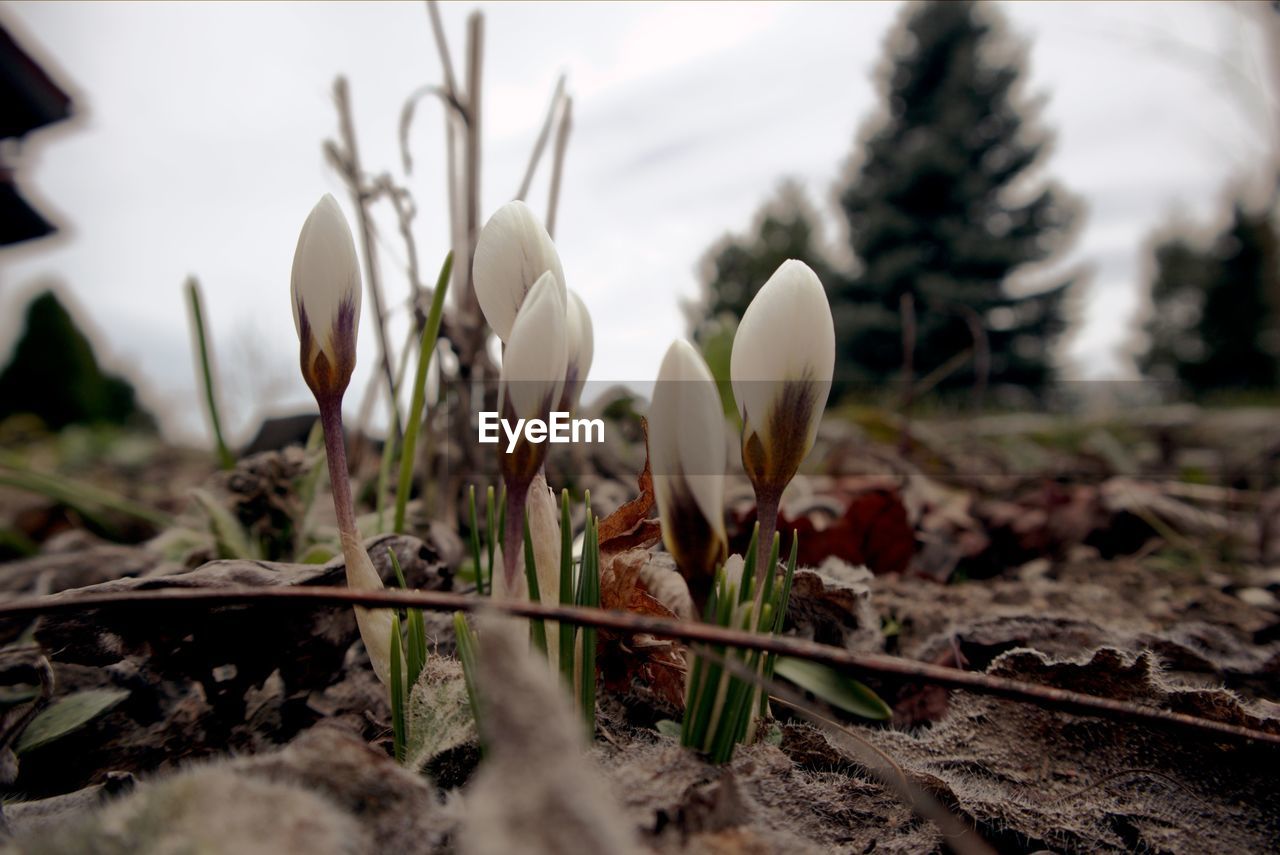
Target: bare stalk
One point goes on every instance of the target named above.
(557, 165)
(354, 176)
(475, 67)
(541, 142)
(406, 210)
(442, 46)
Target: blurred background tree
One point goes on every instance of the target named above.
(786, 226)
(54, 375)
(1215, 308)
(939, 210)
(941, 216)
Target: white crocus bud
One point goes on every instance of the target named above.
(581, 349)
(512, 253)
(687, 456)
(325, 288)
(533, 369)
(783, 359)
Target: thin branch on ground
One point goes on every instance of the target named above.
(348, 161)
(1049, 697)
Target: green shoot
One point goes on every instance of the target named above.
(483, 552)
(577, 654)
(225, 459)
(567, 631)
(475, 538)
(398, 734)
(412, 651)
(721, 710)
(430, 333)
(492, 527)
(589, 595)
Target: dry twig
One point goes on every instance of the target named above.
(1063, 700)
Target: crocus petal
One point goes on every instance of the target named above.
(325, 297)
(687, 456)
(581, 344)
(512, 252)
(534, 363)
(781, 368)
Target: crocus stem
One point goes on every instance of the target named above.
(336, 454)
(513, 533)
(375, 626)
(767, 499)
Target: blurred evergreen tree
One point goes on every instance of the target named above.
(1215, 314)
(939, 209)
(54, 375)
(787, 226)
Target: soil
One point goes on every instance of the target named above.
(1136, 560)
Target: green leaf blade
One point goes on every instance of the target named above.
(829, 685)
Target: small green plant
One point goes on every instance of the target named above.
(482, 566)
(225, 459)
(721, 710)
(574, 654)
(408, 658)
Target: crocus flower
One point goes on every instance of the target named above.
(512, 253)
(530, 385)
(581, 349)
(687, 455)
(783, 359)
(325, 288)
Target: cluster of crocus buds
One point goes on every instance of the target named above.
(781, 370)
(325, 292)
(548, 347)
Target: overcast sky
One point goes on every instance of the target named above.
(197, 149)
